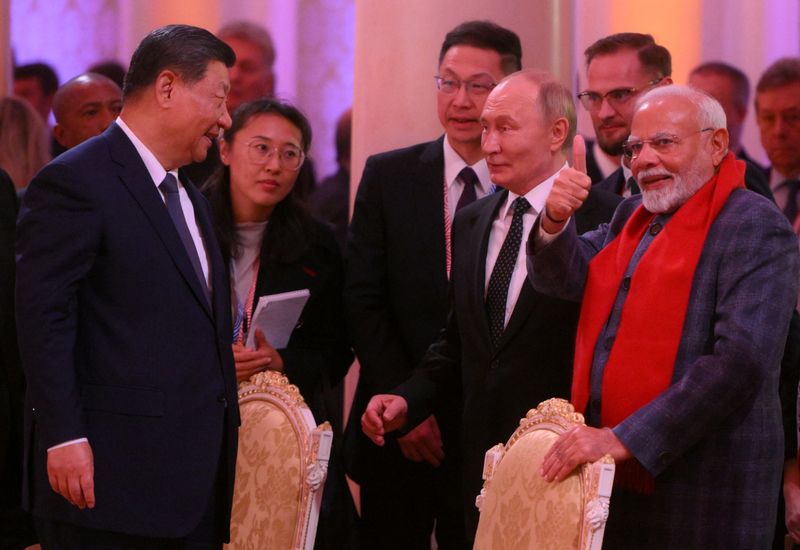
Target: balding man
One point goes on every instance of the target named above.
(687, 297)
(506, 347)
(84, 107)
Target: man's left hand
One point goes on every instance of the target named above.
(577, 446)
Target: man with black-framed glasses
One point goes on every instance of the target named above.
(398, 266)
(619, 68)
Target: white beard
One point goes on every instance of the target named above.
(670, 198)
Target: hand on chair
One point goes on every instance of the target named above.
(577, 446)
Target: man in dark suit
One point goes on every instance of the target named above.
(686, 300)
(506, 347)
(619, 67)
(124, 319)
(731, 87)
(398, 264)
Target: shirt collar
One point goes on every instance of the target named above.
(536, 197)
(154, 168)
(453, 164)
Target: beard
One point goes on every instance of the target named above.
(684, 185)
(610, 147)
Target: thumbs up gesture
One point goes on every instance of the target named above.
(569, 191)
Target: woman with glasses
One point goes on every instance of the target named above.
(272, 245)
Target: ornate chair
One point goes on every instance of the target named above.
(280, 469)
(520, 510)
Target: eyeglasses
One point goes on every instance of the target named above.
(663, 144)
(289, 156)
(475, 88)
(592, 101)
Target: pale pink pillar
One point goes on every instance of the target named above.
(5, 47)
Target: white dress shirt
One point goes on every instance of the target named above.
(157, 173)
(453, 164)
(537, 198)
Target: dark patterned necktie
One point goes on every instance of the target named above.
(471, 181)
(170, 189)
(790, 210)
(497, 293)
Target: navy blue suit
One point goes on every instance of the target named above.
(120, 344)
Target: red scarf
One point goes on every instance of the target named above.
(642, 359)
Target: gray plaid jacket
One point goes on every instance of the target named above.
(713, 439)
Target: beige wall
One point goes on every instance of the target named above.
(397, 46)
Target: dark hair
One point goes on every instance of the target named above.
(783, 72)
(487, 36)
(110, 68)
(741, 85)
(184, 49)
(653, 57)
(290, 228)
(44, 73)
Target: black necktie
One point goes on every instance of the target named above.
(170, 189)
(470, 180)
(497, 293)
(790, 210)
(633, 186)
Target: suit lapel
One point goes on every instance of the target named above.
(483, 229)
(137, 180)
(427, 190)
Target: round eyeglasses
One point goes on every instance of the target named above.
(289, 156)
(663, 144)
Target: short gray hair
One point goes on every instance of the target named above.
(709, 112)
(554, 100)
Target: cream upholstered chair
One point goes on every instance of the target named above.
(520, 510)
(280, 469)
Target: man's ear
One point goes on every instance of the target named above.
(58, 133)
(559, 132)
(165, 87)
(719, 145)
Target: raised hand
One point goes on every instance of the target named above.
(569, 191)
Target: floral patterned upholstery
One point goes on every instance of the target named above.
(521, 511)
(280, 468)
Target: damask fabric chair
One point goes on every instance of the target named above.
(519, 510)
(280, 469)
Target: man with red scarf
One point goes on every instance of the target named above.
(687, 296)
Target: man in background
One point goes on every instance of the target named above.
(731, 88)
(36, 83)
(84, 107)
(331, 199)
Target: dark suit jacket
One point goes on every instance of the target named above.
(532, 362)
(318, 353)
(120, 344)
(395, 290)
(592, 167)
(713, 440)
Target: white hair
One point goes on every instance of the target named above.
(709, 112)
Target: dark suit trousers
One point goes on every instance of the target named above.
(402, 516)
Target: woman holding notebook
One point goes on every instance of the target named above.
(273, 246)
